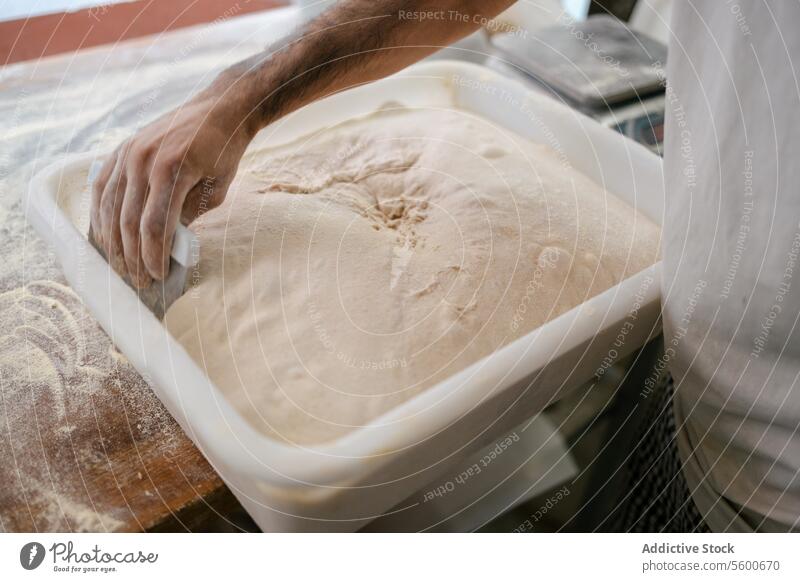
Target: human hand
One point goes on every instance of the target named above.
(174, 169)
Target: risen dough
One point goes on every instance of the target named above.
(354, 268)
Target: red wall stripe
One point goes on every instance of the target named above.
(32, 38)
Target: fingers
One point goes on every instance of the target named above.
(134, 216)
(131, 217)
(97, 195)
(168, 189)
(110, 208)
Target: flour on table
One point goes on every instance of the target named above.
(57, 383)
(356, 267)
(74, 516)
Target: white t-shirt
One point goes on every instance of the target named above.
(731, 251)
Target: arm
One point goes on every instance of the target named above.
(184, 161)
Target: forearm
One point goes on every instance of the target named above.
(355, 42)
(157, 176)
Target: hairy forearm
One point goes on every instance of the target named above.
(158, 176)
(355, 42)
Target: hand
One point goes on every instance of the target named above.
(174, 169)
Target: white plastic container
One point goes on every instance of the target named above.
(344, 484)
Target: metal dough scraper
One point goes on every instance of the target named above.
(184, 255)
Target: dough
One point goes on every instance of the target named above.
(353, 268)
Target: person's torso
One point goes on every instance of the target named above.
(731, 254)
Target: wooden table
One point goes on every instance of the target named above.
(84, 444)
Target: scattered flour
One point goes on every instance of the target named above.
(41, 343)
(60, 386)
(66, 397)
(60, 513)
